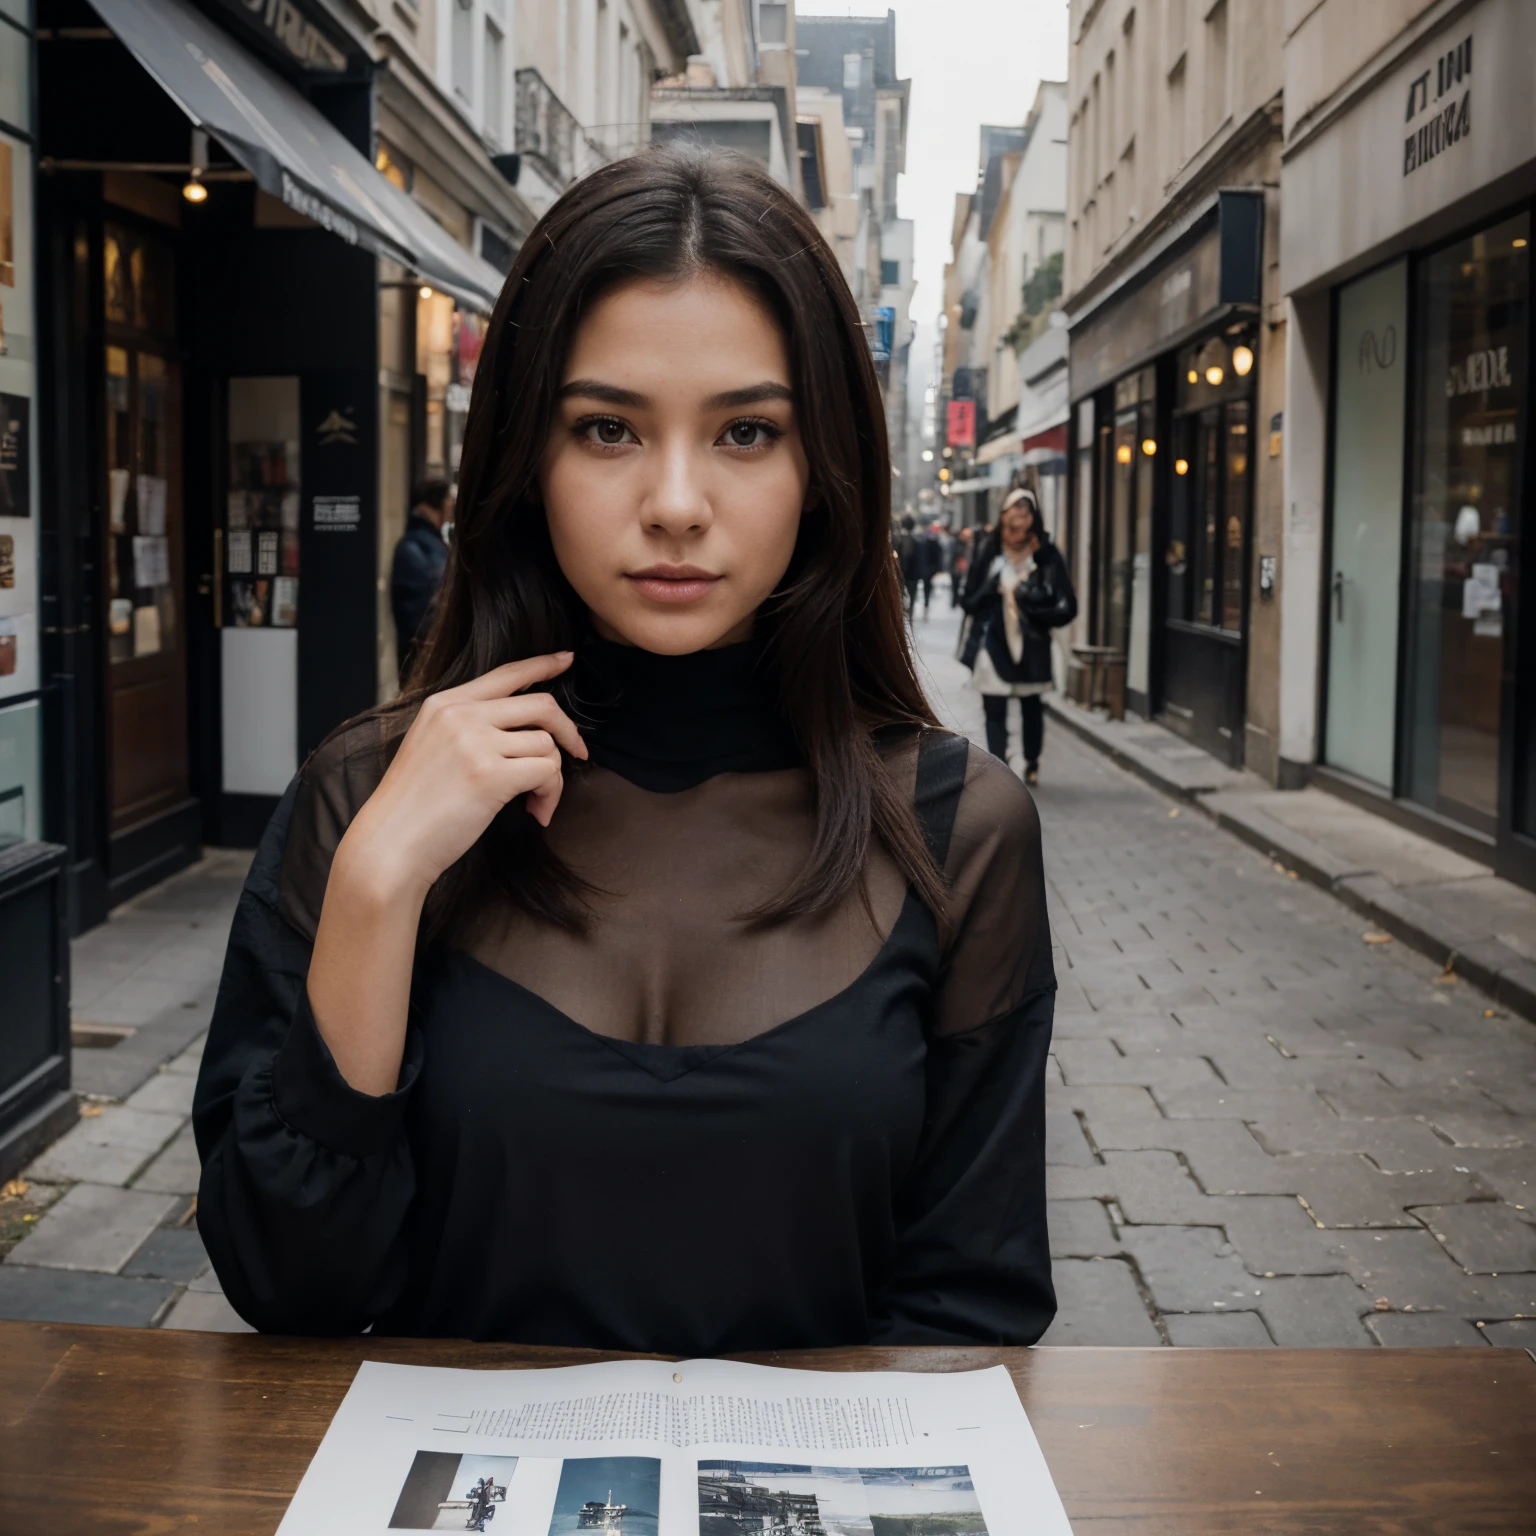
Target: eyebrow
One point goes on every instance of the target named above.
(612, 394)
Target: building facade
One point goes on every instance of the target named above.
(1177, 362)
(264, 282)
(1407, 678)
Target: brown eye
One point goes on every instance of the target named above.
(610, 433)
(745, 434)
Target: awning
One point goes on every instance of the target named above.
(289, 146)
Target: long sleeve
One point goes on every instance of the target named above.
(307, 1184)
(973, 1257)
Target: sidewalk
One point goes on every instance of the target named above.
(1448, 907)
(102, 1226)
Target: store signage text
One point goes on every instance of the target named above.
(338, 514)
(1485, 369)
(303, 201)
(1448, 124)
(299, 38)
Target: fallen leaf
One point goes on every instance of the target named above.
(1292, 875)
(1377, 938)
(14, 1190)
(89, 1111)
(1487, 1013)
(1447, 979)
(1174, 811)
(1382, 1304)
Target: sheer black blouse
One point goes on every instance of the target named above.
(676, 1131)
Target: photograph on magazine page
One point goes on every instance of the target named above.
(736, 1497)
(445, 1491)
(613, 1495)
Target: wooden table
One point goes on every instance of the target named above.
(108, 1430)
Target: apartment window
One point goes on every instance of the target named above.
(1215, 67)
(495, 83)
(853, 65)
(773, 24)
(463, 49)
(1178, 114)
(890, 274)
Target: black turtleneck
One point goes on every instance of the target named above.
(667, 723)
(673, 1129)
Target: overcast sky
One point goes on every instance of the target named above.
(970, 62)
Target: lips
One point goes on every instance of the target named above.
(673, 583)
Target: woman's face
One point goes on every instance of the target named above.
(1018, 524)
(674, 477)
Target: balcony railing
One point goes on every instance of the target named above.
(548, 133)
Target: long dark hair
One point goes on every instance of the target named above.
(833, 632)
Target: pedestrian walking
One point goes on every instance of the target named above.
(654, 974)
(910, 556)
(421, 556)
(1023, 595)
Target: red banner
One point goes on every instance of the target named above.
(961, 427)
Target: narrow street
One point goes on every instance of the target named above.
(1262, 1129)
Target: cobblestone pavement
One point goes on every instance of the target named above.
(102, 1226)
(1262, 1127)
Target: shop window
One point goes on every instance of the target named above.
(1472, 309)
(1205, 557)
(261, 533)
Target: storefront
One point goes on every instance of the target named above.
(218, 253)
(1425, 705)
(1165, 381)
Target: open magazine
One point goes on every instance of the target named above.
(697, 1448)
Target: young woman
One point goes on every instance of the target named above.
(653, 975)
(1024, 594)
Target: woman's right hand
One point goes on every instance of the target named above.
(469, 751)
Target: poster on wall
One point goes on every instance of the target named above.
(18, 553)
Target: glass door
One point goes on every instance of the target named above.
(146, 643)
(1473, 318)
(1365, 540)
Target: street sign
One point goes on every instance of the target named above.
(885, 329)
(961, 424)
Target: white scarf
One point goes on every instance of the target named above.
(1010, 577)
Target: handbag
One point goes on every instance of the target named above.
(970, 642)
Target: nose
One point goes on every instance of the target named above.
(677, 502)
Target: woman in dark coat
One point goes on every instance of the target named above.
(1014, 604)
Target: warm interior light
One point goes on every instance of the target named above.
(425, 291)
(195, 191)
(1518, 242)
(927, 455)
(1181, 466)
(949, 453)
(943, 474)
(1214, 374)
(1123, 454)
(1194, 375)
(1149, 446)
(1242, 361)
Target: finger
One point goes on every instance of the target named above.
(545, 796)
(531, 776)
(514, 676)
(534, 711)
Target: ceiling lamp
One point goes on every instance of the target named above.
(1215, 374)
(1181, 466)
(195, 191)
(1149, 446)
(1194, 375)
(1242, 361)
(1123, 454)
(425, 291)
(927, 455)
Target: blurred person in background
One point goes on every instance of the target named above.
(1018, 597)
(421, 557)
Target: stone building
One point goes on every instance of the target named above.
(1177, 360)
